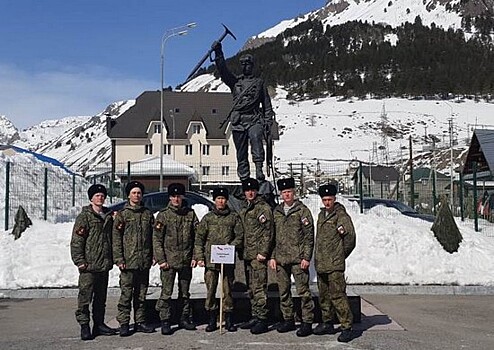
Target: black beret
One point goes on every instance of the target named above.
(250, 184)
(96, 189)
(132, 185)
(327, 190)
(175, 189)
(220, 191)
(285, 184)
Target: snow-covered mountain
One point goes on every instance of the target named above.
(80, 143)
(443, 13)
(8, 132)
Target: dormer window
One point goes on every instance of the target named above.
(157, 128)
(177, 110)
(214, 111)
(196, 129)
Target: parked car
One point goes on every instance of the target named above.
(156, 201)
(369, 202)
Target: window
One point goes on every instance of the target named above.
(167, 149)
(214, 111)
(148, 149)
(225, 170)
(205, 170)
(205, 150)
(225, 150)
(188, 150)
(425, 182)
(157, 128)
(196, 129)
(177, 110)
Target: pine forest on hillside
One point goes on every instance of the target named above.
(359, 59)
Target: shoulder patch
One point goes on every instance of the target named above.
(262, 218)
(81, 231)
(341, 230)
(159, 225)
(305, 221)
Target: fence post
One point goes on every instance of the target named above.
(302, 184)
(291, 169)
(398, 188)
(433, 191)
(73, 190)
(128, 171)
(475, 213)
(412, 181)
(361, 187)
(462, 212)
(7, 195)
(45, 202)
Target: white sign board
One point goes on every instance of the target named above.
(222, 254)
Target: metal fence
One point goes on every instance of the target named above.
(52, 194)
(47, 193)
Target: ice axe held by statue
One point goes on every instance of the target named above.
(208, 54)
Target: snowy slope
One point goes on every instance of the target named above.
(392, 12)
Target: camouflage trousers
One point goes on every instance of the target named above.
(301, 277)
(211, 278)
(257, 281)
(133, 288)
(92, 289)
(332, 297)
(163, 305)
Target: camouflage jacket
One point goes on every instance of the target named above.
(91, 241)
(217, 227)
(335, 239)
(294, 234)
(132, 237)
(258, 224)
(173, 236)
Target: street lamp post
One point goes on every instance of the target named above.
(182, 30)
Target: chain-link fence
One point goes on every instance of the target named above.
(48, 193)
(53, 194)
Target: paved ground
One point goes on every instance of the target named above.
(388, 322)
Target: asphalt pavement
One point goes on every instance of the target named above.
(389, 321)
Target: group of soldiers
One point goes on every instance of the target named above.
(282, 239)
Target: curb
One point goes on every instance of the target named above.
(199, 291)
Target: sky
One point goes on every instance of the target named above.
(71, 58)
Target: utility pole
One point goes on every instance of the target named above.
(450, 121)
(412, 184)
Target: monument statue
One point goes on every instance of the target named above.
(251, 116)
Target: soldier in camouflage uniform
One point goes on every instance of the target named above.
(220, 226)
(292, 253)
(257, 221)
(91, 252)
(251, 114)
(173, 245)
(335, 240)
(133, 254)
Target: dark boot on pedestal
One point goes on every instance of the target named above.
(166, 327)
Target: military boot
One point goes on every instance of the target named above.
(212, 326)
(144, 328)
(187, 324)
(286, 326)
(85, 332)
(229, 325)
(103, 329)
(260, 327)
(304, 330)
(249, 324)
(166, 327)
(259, 173)
(125, 330)
(324, 328)
(345, 336)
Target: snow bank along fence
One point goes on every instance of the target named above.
(48, 193)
